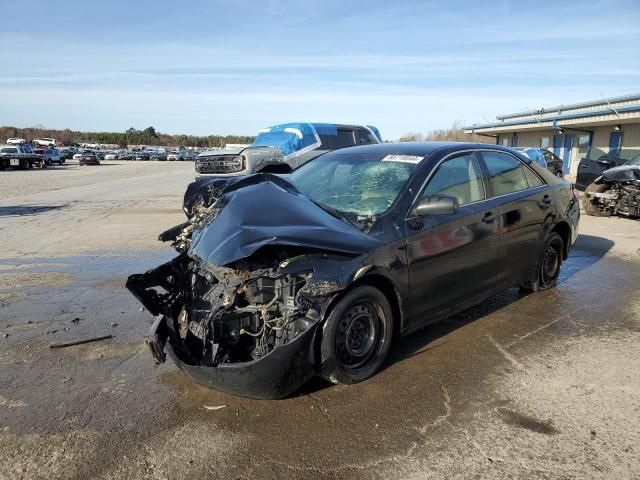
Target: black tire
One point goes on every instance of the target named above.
(589, 206)
(548, 267)
(356, 336)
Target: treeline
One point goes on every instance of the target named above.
(148, 136)
(453, 134)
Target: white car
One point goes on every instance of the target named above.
(111, 156)
(45, 142)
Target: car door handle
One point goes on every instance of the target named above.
(545, 202)
(488, 217)
(585, 165)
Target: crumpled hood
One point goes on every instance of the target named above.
(622, 173)
(265, 209)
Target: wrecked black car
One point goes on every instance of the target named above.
(283, 277)
(615, 192)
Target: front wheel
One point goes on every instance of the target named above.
(548, 267)
(356, 336)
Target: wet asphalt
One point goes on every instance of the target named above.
(523, 386)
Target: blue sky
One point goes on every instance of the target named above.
(221, 67)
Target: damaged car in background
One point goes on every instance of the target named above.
(283, 277)
(615, 192)
(283, 148)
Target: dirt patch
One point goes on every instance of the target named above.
(33, 279)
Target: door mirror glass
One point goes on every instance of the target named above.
(436, 205)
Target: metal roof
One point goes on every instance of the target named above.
(590, 103)
(555, 118)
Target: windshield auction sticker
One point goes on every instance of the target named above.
(403, 158)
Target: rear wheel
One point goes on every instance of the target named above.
(548, 267)
(591, 204)
(356, 336)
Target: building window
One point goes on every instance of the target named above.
(615, 143)
(583, 144)
(544, 143)
(514, 140)
(504, 141)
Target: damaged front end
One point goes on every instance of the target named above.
(616, 192)
(246, 330)
(259, 265)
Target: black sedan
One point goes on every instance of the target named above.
(283, 277)
(89, 158)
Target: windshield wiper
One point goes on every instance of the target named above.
(334, 213)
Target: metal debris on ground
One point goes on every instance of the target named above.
(80, 342)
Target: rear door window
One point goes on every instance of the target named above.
(506, 173)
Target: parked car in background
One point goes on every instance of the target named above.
(283, 277)
(589, 170)
(142, 155)
(547, 159)
(283, 148)
(45, 142)
(89, 158)
(126, 155)
(615, 192)
(19, 156)
(49, 155)
(15, 141)
(176, 155)
(66, 153)
(111, 156)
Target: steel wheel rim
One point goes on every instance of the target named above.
(550, 264)
(358, 335)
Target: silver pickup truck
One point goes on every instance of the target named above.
(283, 148)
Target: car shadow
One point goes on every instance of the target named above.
(587, 251)
(27, 210)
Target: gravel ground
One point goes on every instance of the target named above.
(16, 183)
(540, 386)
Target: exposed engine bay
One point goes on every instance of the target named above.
(243, 289)
(220, 315)
(616, 192)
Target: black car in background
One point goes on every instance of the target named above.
(283, 277)
(545, 158)
(89, 158)
(589, 170)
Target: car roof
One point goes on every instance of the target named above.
(417, 148)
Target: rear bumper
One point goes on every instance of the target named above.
(271, 377)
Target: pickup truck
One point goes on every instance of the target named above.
(18, 156)
(282, 149)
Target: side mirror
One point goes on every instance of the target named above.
(436, 205)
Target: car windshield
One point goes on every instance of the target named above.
(634, 162)
(355, 183)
